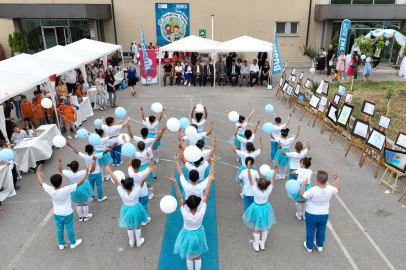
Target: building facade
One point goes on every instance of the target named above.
(47, 23)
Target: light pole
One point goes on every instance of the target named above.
(212, 19)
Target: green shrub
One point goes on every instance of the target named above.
(16, 43)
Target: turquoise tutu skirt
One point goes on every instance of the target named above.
(204, 138)
(259, 216)
(132, 216)
(237, 142)
(157, 144)
(283, 161)
(83, 193)
(151, 175)
(296, 197)
(191, 244)
(106, 159)
(243, 167)
(291, 177)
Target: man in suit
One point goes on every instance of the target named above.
(229, 60)
(193, 57)
(222, 73)
(197, 72)
(233, 72)
(262, 56)
(208, 72)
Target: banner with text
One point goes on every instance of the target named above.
(150, 77)
(342, 42)
(276, 59)
(172, 22)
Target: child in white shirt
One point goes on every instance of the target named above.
(295, 157)
(249, 136)
(302, 174)
(276, 134)
(199, 135)
(152, 126)
(283, 160)
(241, 130)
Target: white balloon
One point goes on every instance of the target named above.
(168, 204)
(46, 103)
(59, 141)
(264, 169)
(173, 124)
(233, 116)
(191, 131)
(119, 175)
(192, 153)
(120, 138)
(156, 107)
(199, 108)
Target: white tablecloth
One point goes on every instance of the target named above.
(6, 181)
(28, 152)
(85, 111)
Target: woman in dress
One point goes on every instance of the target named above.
(321, 64)
(340, 64)
(61, 89)
(101, 99)
(178, 72)
(351, 67)
(132, 78)
(265, 73)
(111, 89)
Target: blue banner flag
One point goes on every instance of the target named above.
(342, 42)
(147, 65)
(172, 22)
(276, 59)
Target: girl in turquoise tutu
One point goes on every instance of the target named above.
(132, 213)
(83, 193)
(191, 241)
(251, 152)
(296, 157)
(284, 143)
(302, 174)
(100, 148)
(206, 153)
(144, 136)
(259, 216)
(152, 126)
(241, 130)
(199, 121)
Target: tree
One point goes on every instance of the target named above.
(16, 43)
(312, 51)
(365, 44)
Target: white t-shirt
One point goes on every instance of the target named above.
(259, 196)
(199, 124)
(132, 198)
(102, 145)
(110, 131)
(244, 141)
(89, 161)
(287, 142)
(18, 136)
(277, 132)
(247, 190)
(148, 141)
(61, 198)
(254, 68)
(295, 158)
(319, 199)
(74, 177)
(137, 177)
(201, 169)
(190, 189)
(193, 140)
(178, 69)
(193, 222)
(151, 128)
(244, 155)
(142, 156)
(303, 174)
(205, 154)
(241, 130)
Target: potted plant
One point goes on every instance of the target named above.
(16, 43)
(312, 51)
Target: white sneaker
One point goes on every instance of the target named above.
(142, 240)
(76, 136)
(185, 83)
(119, 164)
(78, 242)
(189, 84)
(242, 195)
(88, 217)
(304, 244)
(320, 249)
(156, 160)
(262, 245)
(80, 219)
(92, 200)
(304, 217)
(151, 196)
(61, 247)
(131, 244)
(298, 217)
(102, 199)
(145, 223)
(256, 247)
(69, 137)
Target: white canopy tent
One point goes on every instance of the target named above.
(188, 44)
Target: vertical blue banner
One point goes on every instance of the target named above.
(172, 22)
(147, 65)
(276, 59)
(342, 42)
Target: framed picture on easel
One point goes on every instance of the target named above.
(345, 115)
(307, 83)
(301, 75)
(360, 129)
(348, 98)
(297, 89)
(396, 159)
(368, 108)
(285, 86)
(325, 88)
(289, 90)
(300, 99)
(336, 99)
(293, 79)
(376, 139)
(341, 90)
(314, 101)
(319, 89)
(384, 122)
(281, 82)
(401, 140)
(294, 71)
(332, 113)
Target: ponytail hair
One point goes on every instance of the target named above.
(152, 118)
(241, 119)
(74, 165)
(128, 183)
(199, 116)
(285, 132)
(307, 161)
(99, 131)
(263, 183)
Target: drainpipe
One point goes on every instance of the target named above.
(114, 21)
(308, 22)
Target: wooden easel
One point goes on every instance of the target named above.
(320, 116)
(294, 97)
(358, 144)
(280, 87)
(310, 111)
(392, 172)
(401, 196)
(340, 132)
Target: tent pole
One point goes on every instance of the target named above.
(3, 125)
(54, 104)
(159, 78)
(84, 74)
(214, 59)
(271, 70)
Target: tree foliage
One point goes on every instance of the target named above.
(16, 43)
(365, 44)
(312, 51)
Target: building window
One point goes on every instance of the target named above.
(362, 2)
(79, 30)
(100, 31)
(287, 28)
(32, 35)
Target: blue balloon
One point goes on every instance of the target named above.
(128, 149)
(82, 133)
(97, 122)
(269, 108)
(312, 70)
(268, 128)
(363, 57)
(184, 122)
(371, 33)
(6, 155)
(368, 59)
(269, 87)
(94, 139)
(394, 32)
(269, 174)
(121, 112)
(292, 186)
(384, 33)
